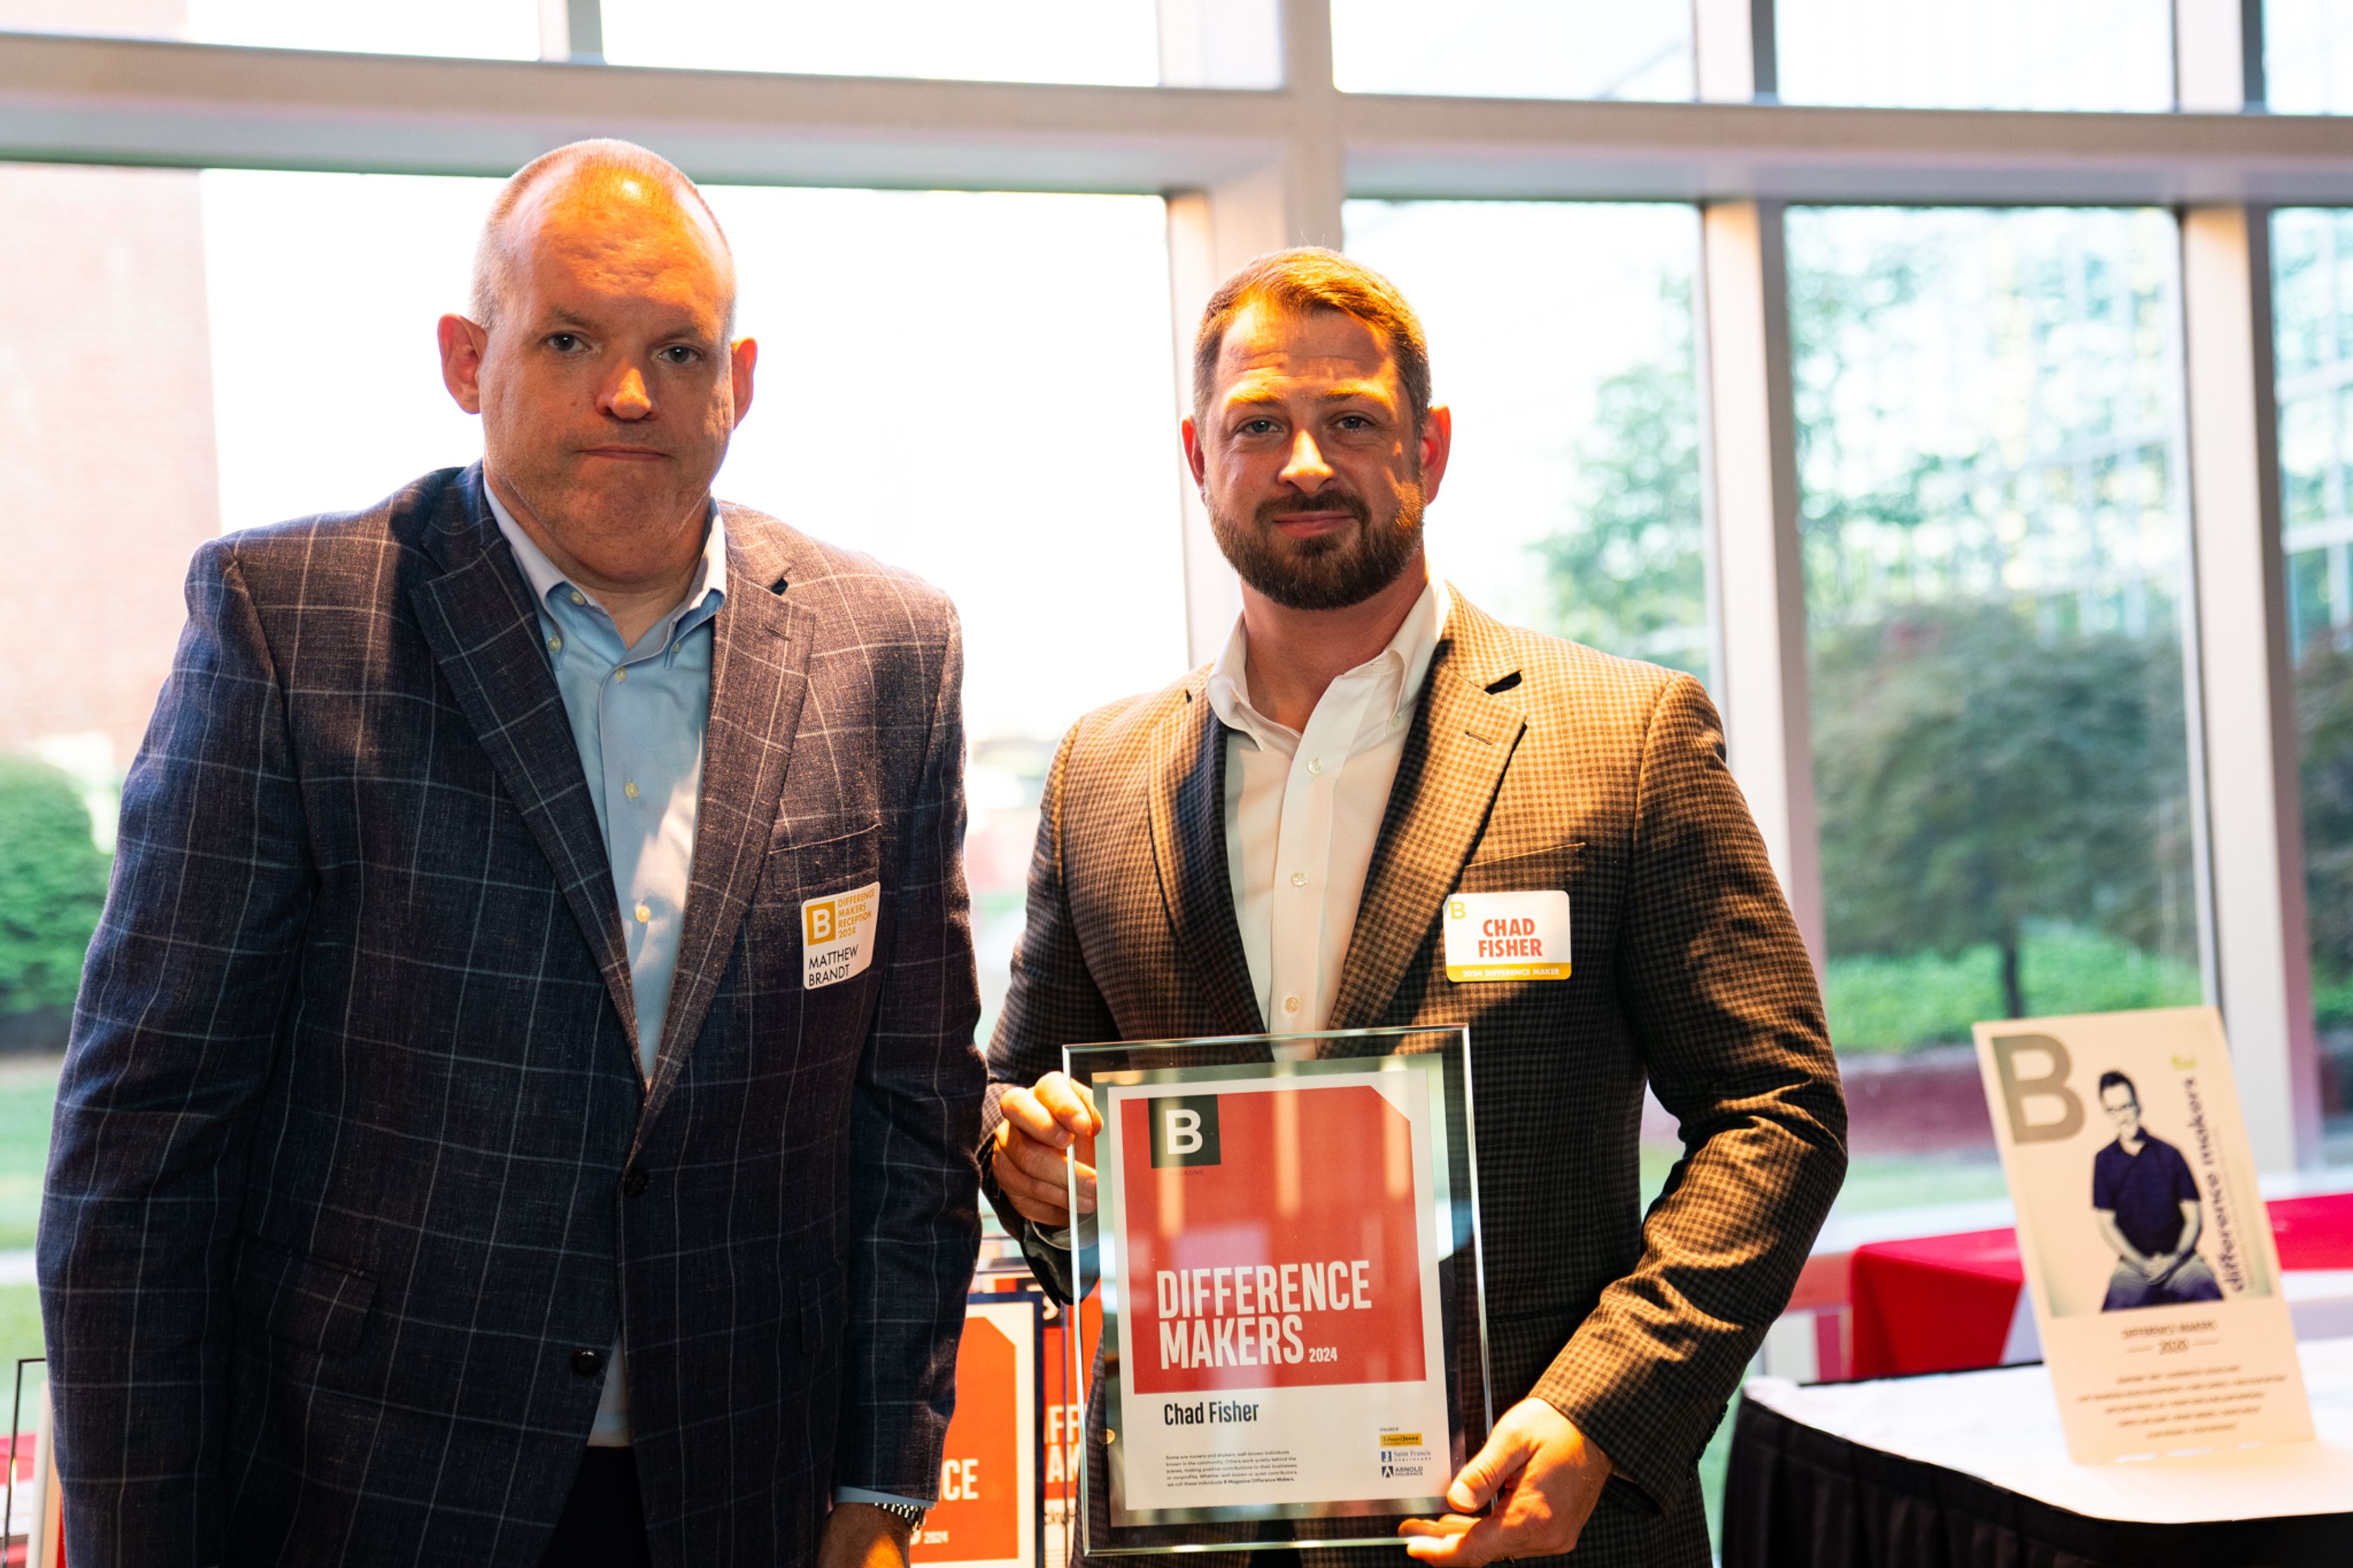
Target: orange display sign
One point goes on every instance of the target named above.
(1321, 1285)
(988, 1502)
(1065, 1419)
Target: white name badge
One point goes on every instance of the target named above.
(838, 935)
(1507, 936)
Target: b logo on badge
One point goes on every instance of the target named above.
(1185, 1131)
(820, 916)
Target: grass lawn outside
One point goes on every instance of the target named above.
(20, 1337)
(1892, 1002)
(28, 1092)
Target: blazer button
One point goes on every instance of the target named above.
(634, 1183)
(587, 1363)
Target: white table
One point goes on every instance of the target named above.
(1996, 1433)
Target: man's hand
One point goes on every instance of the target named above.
(1545, 1478)
(860, 1535)
(1029, 1150)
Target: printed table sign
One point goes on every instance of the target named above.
(1282, 1246)
(2149, 1258)
(988, 1510)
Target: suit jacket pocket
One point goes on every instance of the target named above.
(1552, 867)
(320, 1306)
(798, 870)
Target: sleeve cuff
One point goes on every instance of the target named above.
(862, 1494)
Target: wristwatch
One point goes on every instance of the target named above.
(907, 1513)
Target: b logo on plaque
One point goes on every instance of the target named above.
(1185, 1131)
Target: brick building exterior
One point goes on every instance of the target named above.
(108, 474)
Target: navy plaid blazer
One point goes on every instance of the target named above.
(354, 1157)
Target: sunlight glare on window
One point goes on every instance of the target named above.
(1989, 54)
(2309, 57)
(1515, 48)
(1114, 42)
(483, 29)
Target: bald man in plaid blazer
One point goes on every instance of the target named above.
(1525, 763)
(492, 997)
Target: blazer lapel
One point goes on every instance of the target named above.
(1461, 740)
(478, 618)
(1189, 846)
(759, 656)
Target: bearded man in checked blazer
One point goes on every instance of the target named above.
(1269, 843)
(523, 1101)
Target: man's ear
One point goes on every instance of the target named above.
(1437, 446)
(741, 360)
(1195, 458)
(463, 344)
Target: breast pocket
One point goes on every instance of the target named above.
(1523, 938)
(1551, 868)
(801, 869)
(820, 928)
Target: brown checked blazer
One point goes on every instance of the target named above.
(1532, 764)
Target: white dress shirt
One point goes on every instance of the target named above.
(1304, 811)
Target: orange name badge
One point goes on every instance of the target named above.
(838, 935)
(1507, 936)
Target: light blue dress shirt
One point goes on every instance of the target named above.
(638, 715)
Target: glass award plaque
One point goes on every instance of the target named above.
(1285, 1250)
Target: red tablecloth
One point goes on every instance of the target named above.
(1944, 1303)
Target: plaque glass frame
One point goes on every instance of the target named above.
(1285, 1250)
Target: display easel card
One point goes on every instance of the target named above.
(2148, 1255)
(988, 1513)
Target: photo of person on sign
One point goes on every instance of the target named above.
(2149, 1210)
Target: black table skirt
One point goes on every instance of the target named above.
(1796, 1497)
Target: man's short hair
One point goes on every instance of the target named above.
(1313, 278)
(602, 157)
(2109, 1080)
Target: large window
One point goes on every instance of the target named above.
(285, 364)
(2309, 57)
(488, 29)
(2313, 306)
(1112, 41)
(1514, 48)
(1989, 439)
(1989, 54)
(1989, 449)
(1561, 336)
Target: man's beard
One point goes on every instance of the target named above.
(1330, 572)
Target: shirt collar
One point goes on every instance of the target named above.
(704, 593)
(1410, 653)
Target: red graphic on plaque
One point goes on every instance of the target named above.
(1271, 1240)
(978, 1516)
